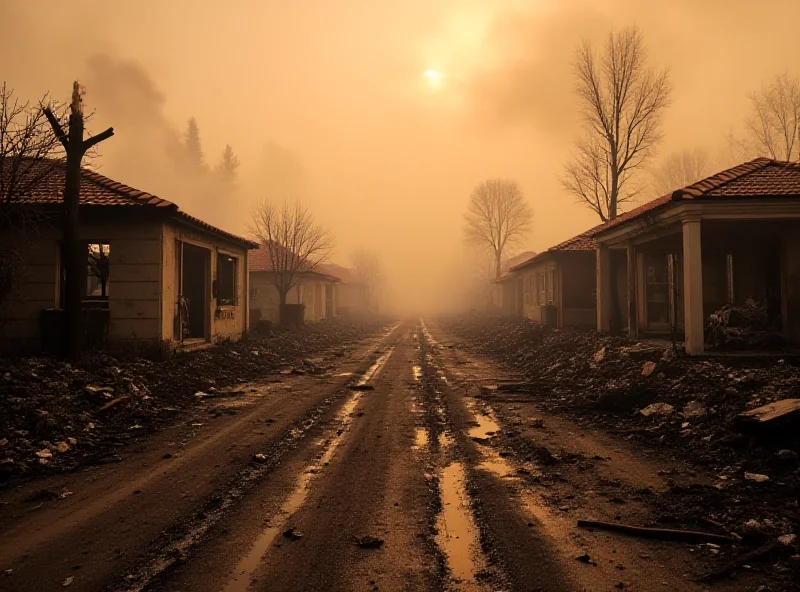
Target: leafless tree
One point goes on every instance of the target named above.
(497, 217)
(622, 99)
(774, 122)
(294, 242)
(28, 151)
(369, 269)
(681, 169)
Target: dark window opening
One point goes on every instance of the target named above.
(226, 280)
(98, 269)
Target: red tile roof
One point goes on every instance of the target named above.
(344, 274)
(757, 178)
(577, 244)
(98, 190)
(260, 260)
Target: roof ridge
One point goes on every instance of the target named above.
(126, 190)
(700, 188)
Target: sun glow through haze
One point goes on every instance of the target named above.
(434, 78)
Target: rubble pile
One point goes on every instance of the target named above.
(54, 415)
(663, 400)
(735, 327)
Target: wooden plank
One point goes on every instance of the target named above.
(125, 290)
(779, 410)
(134, 252)
(39, 273)
(33, 291)
(136, 273)
(134, 309)
(133, 328)
(109, 232)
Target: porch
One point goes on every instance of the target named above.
(670, 278)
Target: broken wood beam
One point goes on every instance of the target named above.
(667, 534)
(777, 412)
(741, 560)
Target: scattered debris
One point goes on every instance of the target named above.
(743, 559)
(68, 581)
(292, 534)
(787, 539)
(648, 368)
(362, 387)
(259, 457)
(657, 409)
(667, 534)
(586, 558)
(693, 409)
(369, 542)
(758, 478)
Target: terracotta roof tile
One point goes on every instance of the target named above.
(260, 260)
(99, 190)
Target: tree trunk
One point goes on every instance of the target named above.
(74, 257)
(497, 262)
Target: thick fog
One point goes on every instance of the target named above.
(327, 101)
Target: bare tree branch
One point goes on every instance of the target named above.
(681, 169)
(369, 269)
(28, 151)
(497, 217)
(622, 100)
(774, 123)
(294, 242)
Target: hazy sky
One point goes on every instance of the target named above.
(327, 98)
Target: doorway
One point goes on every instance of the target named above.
(194, 280)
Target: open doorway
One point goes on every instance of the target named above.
(194, 280)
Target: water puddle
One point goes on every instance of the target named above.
(457, 534)
(486, 428)
(420, 438)
(417, 373)
(375, 368)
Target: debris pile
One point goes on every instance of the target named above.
(735, 327)
(55, 415)
(735, 420)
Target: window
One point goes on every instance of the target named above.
(226, 280)
(97, 270)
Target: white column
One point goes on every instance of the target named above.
(693, 287)
(603, 289)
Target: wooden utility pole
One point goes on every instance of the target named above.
(74, 256)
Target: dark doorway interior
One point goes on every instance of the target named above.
(194, 287)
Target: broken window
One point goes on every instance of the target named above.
(226, 280)
(97, 270)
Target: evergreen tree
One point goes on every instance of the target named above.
(228, 164)
(193, 147)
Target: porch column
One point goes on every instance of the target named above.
(693, 287)
(603, 289)
(633, 326)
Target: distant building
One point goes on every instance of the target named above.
(314, 290)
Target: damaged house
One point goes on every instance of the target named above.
(154, 275)
(311, 287)
(728, 239)
(557, 287)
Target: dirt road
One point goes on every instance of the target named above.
(393, 470)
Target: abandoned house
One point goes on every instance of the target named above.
(556, 287)
(731, 238)
(351, 294)
(506, 290)
(154, 274)
(314, 289)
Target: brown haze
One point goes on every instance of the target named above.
(326, 100)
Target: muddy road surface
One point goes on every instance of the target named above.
(390, 471)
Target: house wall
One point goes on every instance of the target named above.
(226, 322)
(133, 286)
(532, 298)
(265, 298)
